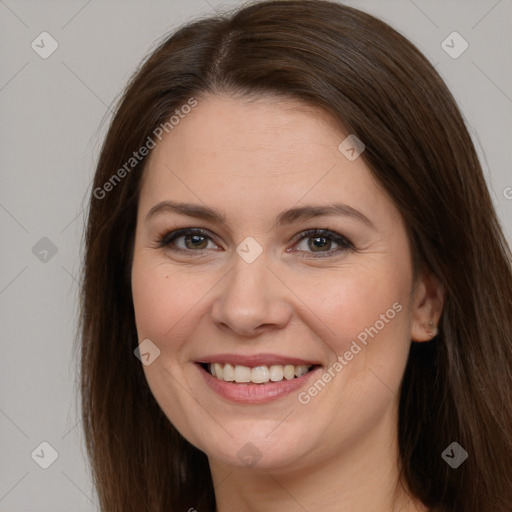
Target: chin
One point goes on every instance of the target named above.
(252, 449)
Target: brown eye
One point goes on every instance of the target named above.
(319, 244)
(187, 240)
(195, 241)
(322, 243)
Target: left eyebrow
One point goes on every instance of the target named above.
(303, 213)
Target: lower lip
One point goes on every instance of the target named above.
(255, 393)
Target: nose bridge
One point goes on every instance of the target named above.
(251, 297)
(250, 279)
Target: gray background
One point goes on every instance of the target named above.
(54, 113)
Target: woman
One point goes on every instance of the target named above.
(290, 230)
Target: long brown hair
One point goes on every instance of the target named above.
(457, 388)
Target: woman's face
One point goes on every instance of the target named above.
(257, 294)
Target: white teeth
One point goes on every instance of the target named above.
(242, 374)
(217, 368)
(257, 375)
(260, 374)
(229, 373)
(276, 372)
(289, 371)
(301, 370)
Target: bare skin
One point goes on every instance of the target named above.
(250, 161)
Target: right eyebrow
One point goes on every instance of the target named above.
(188, 209)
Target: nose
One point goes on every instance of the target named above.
(251, 300)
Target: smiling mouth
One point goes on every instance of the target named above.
(240, 374)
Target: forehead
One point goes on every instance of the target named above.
(221, 127)
(239, 153)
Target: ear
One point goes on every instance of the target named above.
(428, 302)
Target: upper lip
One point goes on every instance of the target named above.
(255, 360)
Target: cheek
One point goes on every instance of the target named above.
(164, 298)
(364, 312)
(351, 300)
(166, 303)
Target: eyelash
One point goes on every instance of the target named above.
(344, 244)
